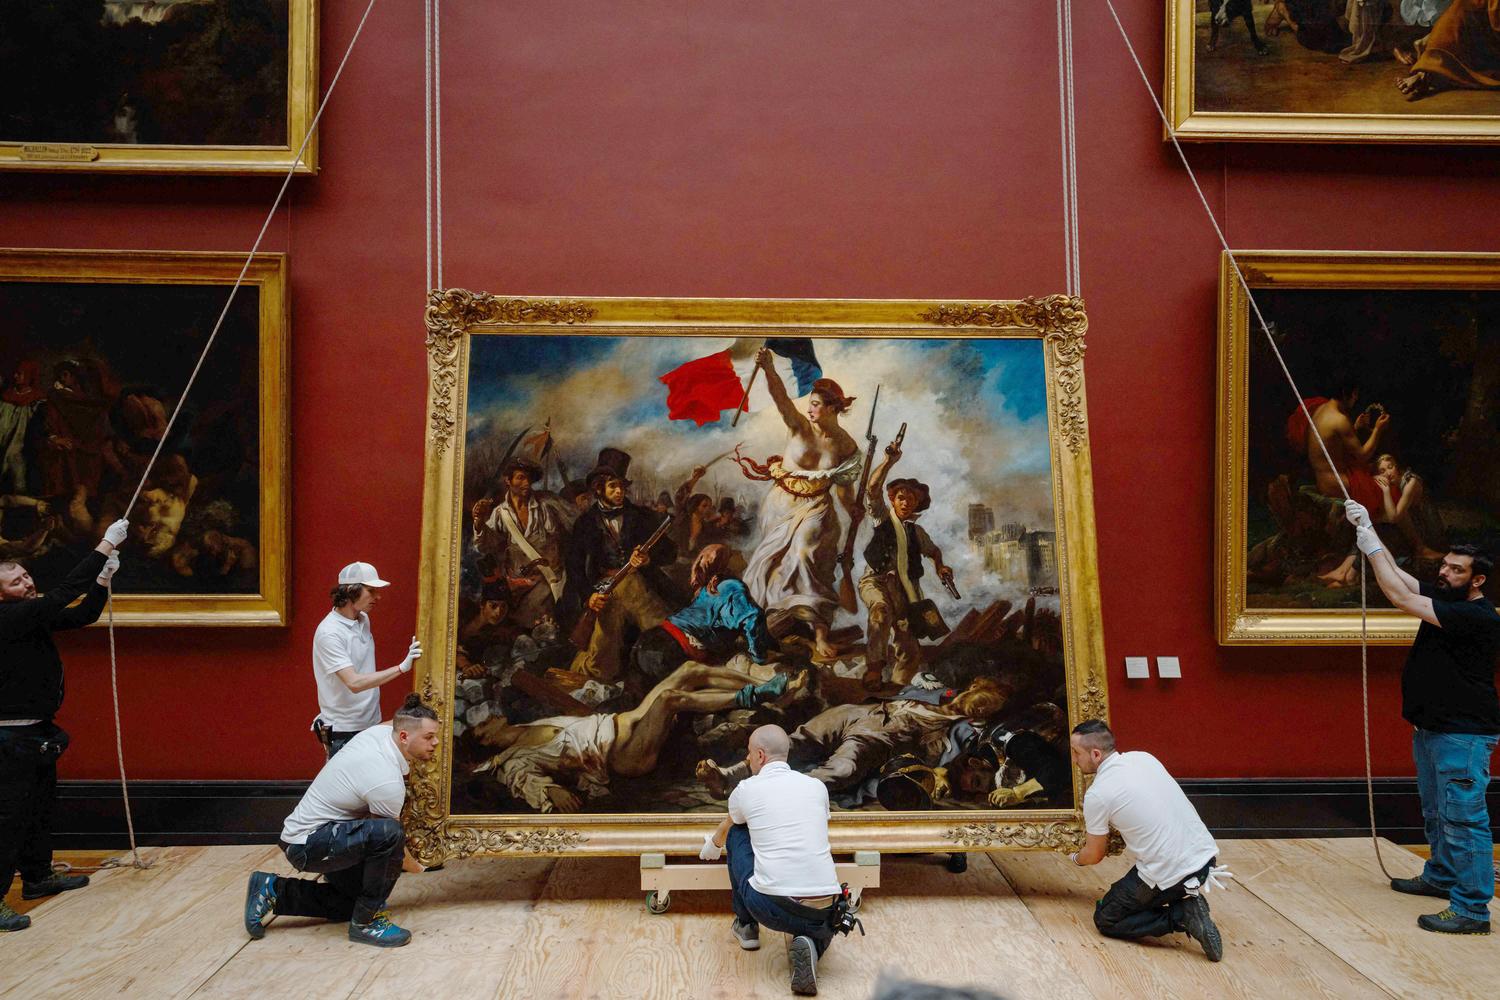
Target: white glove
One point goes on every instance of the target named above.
(412, 654)
(1210, 881)
(710, 851)
(115, 533)
(110, 565)
(1369, 543)
(1357, 515)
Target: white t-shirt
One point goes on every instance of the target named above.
(343, 642)
(367, 778)
(1133, 793)
(787, 813)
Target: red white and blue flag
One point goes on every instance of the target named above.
(702, 389)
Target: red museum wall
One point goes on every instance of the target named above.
(777, 149)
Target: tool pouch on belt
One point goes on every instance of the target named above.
(324, 732)
(41, 742)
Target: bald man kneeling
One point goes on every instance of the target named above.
(779, 862)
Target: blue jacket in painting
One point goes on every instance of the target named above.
(715, 620)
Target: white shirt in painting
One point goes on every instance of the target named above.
(787, 813)
(1133, 793)
(345, 642)
(365, 779)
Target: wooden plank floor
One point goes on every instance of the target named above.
(1309, 919)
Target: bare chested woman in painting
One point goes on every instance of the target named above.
(791, 572)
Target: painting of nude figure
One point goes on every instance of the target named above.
(1398, 374)
(663, 542)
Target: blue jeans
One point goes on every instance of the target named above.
(1453, 773)
(751, 906)
(359, 860)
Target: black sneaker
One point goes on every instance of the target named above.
(1200, 927)
(10, 920)
(802, 955)
(748, 935)
(1449, 922)
(52, 885)
(1418, 886)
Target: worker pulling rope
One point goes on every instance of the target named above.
(1239, 277)
(114, 683)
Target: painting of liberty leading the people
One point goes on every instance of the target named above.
(669, 541)
(1401, 388)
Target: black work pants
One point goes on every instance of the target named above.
(28, 799)
(1132, 908)
(359, 860)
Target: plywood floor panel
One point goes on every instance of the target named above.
(1265, 955)
(1334, 892)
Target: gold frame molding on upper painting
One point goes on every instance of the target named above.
(1190, 124)
(452, 316)
(302, 103)
(1238, 624)
(267, 274)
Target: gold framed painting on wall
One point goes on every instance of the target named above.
(1313, 71)
(201, 86)
(596, 704)
(96, 350)
(1397, 360)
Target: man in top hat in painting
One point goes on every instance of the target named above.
(609, 535)
(892, 582)
(524, 533)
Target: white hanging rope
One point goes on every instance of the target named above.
(1072, 152)
(1062, 145)
(427, 133)
(114, 682)
(1364, 635)
(437, 133)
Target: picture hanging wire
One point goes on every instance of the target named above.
(1239, 277)
(114, 683)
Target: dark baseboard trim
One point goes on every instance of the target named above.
(90, 815)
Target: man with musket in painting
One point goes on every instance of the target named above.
(611, 535)
(523, 533)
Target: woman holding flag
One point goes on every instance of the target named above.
(791, 572)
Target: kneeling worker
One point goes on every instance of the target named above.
(1174, 852)
(780, 865)
(348, 829)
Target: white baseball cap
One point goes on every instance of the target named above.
(361, 572)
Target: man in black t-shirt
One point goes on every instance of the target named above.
(1448, 695)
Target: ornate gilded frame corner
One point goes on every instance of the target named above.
(302, 104)
(453, 315)
(267, 274)
(1239, 623)
(1190, 124)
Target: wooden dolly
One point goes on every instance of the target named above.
(661, 879)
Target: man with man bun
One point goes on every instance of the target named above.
(347, 828)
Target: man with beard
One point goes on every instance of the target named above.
(1448, 695)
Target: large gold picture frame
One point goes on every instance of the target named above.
(457, 319)
(67, 154)
(251, 346)
(1411, 331)
(1297, 93)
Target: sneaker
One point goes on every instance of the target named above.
(260, 903)
(748, 935)
(1200, 927)
(379, 931)
(1418, 886)
(10, 920)
(1449, 922)
(802, 955)
(52, 885)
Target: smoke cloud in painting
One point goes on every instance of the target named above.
(975, 413)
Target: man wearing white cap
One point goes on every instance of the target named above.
(344, 660)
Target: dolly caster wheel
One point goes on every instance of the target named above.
(658, 903)
(958, 863)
